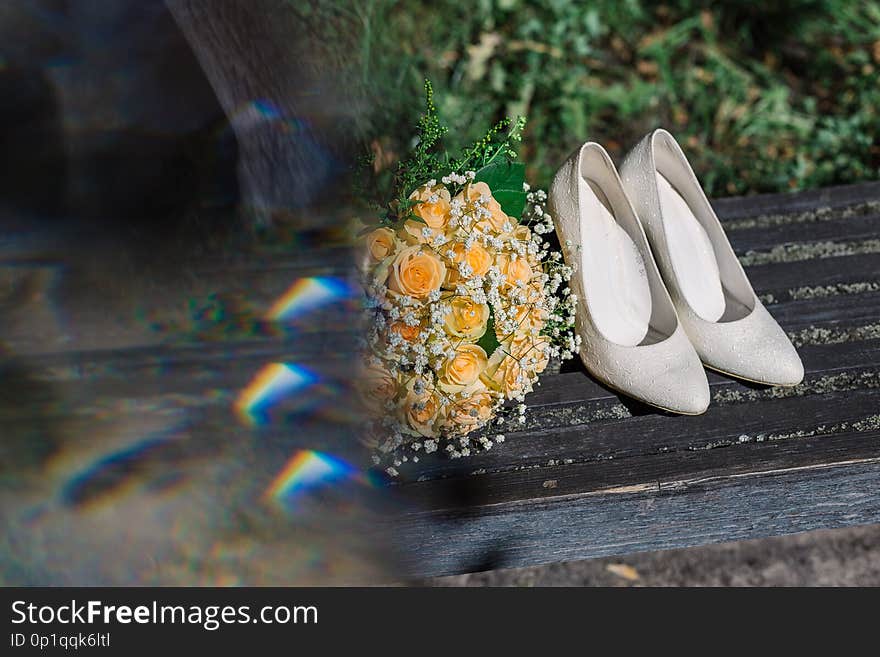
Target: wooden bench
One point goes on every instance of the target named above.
(589, 474)
(593, 474)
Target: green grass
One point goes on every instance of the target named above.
(767, 96)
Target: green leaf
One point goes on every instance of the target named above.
(503, 174)
(513, 203)
(505, 179)
(489, 341)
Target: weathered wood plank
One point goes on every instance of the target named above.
(862, 225)
(641, 472)
(668, 514)
(572, 437)
(824, 271)
(792, 202)
(849, 310)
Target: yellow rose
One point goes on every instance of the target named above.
(504, 373)
(479, 194)
(476, 256)
(513, 366)
(416, 272)
(419, 408)
(463, 370)
(376, 386)
(518, 270)
(533, 352)
(467, 414)
(433, 208)
(523, 235)
(380, 244)
(407, 332)
(466, 318)
(528, 317)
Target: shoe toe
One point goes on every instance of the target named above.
(696, 402)
(755, 349)
(774, 361)
(683, 389)
(668, 375)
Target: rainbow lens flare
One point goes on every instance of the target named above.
(263, 110)
(266, 108)
(307, 295)
(309, 469)
(271, 384)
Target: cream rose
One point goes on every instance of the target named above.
(376, 386)
(528, 318)
(467, 414)
(479, 194)
(523, 235)
(432, 208)
(533, 352)
(476, 256)
(513, 366)
(463, 370)
(380, 244)
(518, 270)
(405, 331)
(419, 408)
(416, 272)
(466, 318)
(504, 373)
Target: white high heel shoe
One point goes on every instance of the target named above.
(724, 319)
(631, 337)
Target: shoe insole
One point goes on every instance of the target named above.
(692, 255)
(615, 281)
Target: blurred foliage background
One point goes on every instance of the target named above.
(764, 96)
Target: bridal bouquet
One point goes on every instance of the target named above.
(466, 302)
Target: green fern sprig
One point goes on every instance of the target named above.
(430, 161)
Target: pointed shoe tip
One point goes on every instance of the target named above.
(684, 408)
(790, 375)
(693, 402)
(696, 406)
(786, 374)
